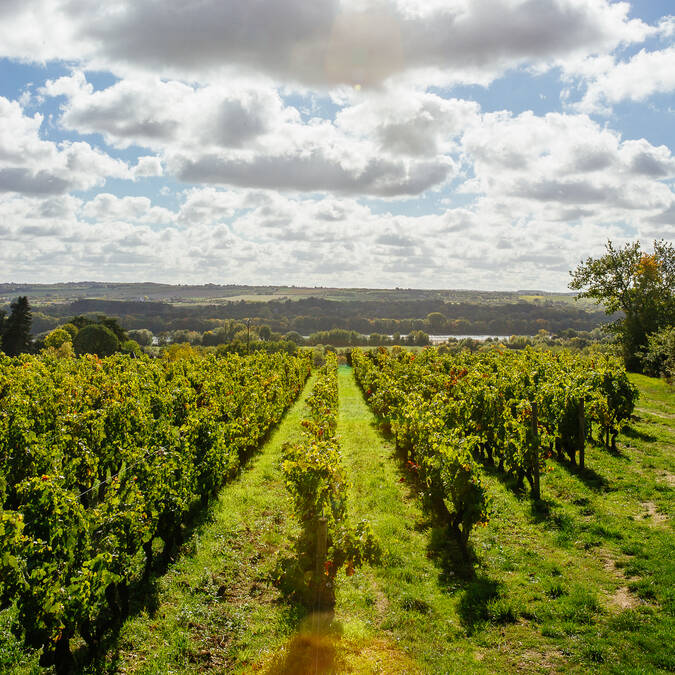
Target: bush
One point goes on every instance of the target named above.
(242, 348)
(142, 336)
(96, 339)
(175, 352)
(65, 351)
(190, 336)
(71, 328)
(131, 347)
(294, 336)
(57, 337)
(318, 353)
(658, 357)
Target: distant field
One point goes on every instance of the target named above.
(556, 297)
(69, 292)
(246, 297)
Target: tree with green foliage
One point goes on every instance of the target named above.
(71, 328)
(96, 338)
(184, 335)
(57, 337)
(16, 336)
(110, 322)
(294, 336)
(131, 347)
(637, 283)
(417, 338)
(143, 336)
(437, 322)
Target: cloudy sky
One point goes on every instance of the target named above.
(419, 143)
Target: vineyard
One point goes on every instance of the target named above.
(452, 414)
(101, 459)
(477, 511)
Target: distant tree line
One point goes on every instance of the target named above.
(262, 336)
(101, 335)
(312, 315)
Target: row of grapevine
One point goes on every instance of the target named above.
(434, 445)
(317, 482)
(513, 409)
(101, 461)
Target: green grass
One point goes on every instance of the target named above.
(582, 582)
(14, 658)
(585, 581)
(215, 608)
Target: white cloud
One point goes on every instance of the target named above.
(322, 43)
(203, 88)
(314, 172)
(106, 207)
(248, 236)
(153, 113)
(148, 166)
(666, 26)
(645, 74)
(33, 166)
(557, 162)
(409, 123)
(545, 188)
(245, 136)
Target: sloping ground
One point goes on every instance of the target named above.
(582, 582)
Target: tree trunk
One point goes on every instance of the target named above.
(440, 507)
(321, 595)
(60, 656)
(536, 492)
(147, 549)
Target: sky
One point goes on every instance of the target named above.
(479, 144)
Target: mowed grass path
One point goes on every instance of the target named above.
(400, 600)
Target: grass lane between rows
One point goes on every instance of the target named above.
(215, 609)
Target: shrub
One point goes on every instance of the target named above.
(57, 337)
(71, 328)
(658, 357)
(143, 336)
(131, 347)
(96, 339)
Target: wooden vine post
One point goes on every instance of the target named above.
(536, 491)
(582, 434)
(321, 550)
(321, 542)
